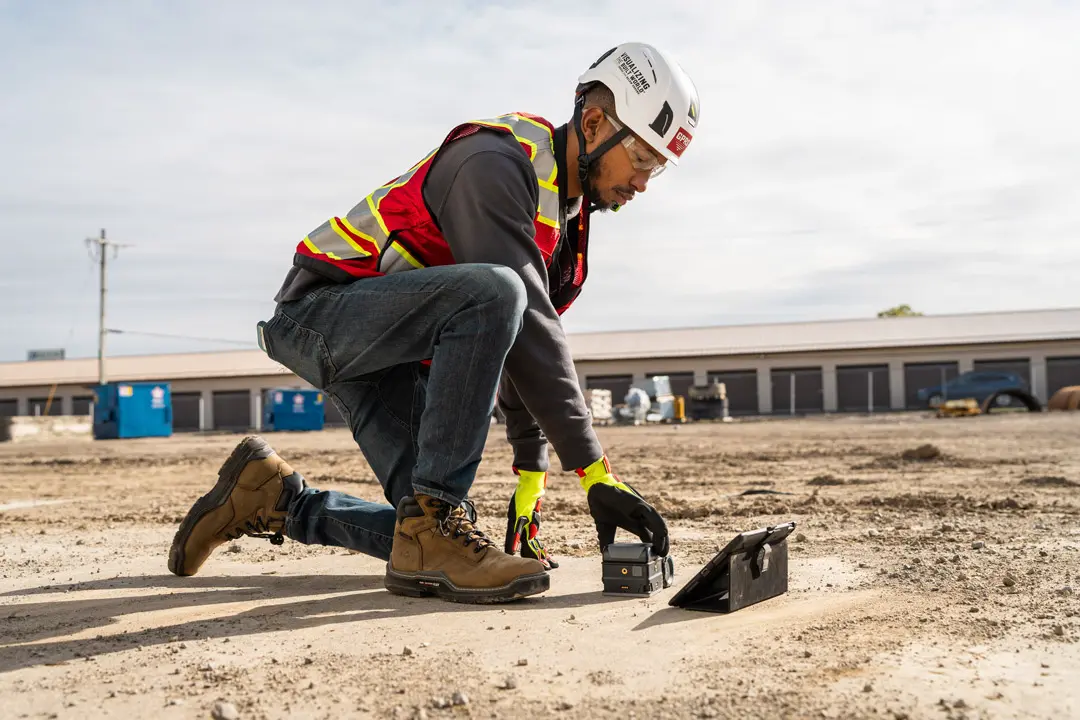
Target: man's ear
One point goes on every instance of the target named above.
(591, 118)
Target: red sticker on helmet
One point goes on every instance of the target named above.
(680, 141)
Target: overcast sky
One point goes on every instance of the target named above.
(850, 155)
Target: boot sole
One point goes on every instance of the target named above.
(250, 448)
(436, 584)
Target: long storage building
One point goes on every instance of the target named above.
(864, 365)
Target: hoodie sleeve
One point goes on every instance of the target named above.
(525, 436)
(483, 193)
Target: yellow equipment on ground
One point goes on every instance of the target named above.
(959, 408)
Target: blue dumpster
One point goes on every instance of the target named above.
(132, 410)
(293, 409)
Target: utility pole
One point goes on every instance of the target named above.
(102, 248)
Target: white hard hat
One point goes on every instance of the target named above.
(654, 96)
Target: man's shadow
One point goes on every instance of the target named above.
(364, 598)
(30, 622)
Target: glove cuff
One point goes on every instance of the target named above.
(599, 471)
(531, 488)
(530, 476)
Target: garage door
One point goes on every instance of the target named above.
(741, 388)
(922, 375)
(185, 407)
(619, 385)
(809, 397)
(855, 383)
(82, 405)
(232, 410)
(9, 408)
(1061, 372)
(37, 406)
(1017, 366)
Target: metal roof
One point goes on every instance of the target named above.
(724, 340)
(859, 334)
(135, 368)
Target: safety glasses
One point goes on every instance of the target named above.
(641, 157)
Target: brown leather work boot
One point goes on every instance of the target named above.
(439, 551)
(251, 497)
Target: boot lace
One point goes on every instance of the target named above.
(461, 522)
(258, 529)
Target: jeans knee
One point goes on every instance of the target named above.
(509, 292)
(496, 294)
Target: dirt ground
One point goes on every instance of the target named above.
(943, 587)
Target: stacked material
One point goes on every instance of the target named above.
(664, 398)
(638, 404)
(599, 403)
(50, 427)
(708, 402)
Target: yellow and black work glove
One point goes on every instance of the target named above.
(523, 518)
(614, 504)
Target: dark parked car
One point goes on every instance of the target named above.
(978, 385)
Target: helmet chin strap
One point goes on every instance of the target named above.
(586, 159)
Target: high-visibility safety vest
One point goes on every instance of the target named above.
(392, 230)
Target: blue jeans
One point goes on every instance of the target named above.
(422, 430)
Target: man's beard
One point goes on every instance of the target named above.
(596, 169)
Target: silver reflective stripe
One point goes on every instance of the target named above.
(338, 237)
(393, 263)
(539, 139)
(397, 259)
(545, 165)
(334, 238)
(548, 212)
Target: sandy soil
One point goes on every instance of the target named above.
(940, 588)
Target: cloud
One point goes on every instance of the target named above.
(851, 155)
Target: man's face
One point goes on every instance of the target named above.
(624, 170)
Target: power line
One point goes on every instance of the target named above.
(79, 306)
(188, 299)
(182, 337)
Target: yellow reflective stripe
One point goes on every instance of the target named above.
(494, 123)
(401, 180)
(349, 226)
(537, 124)
(378, 217)
(506, 126)
(531, 144)
(407, 255)
(388, 188)
(374, 200)
(549, 203)
(547, 132)
(311, 246)
(417, 165)
(345, 236)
